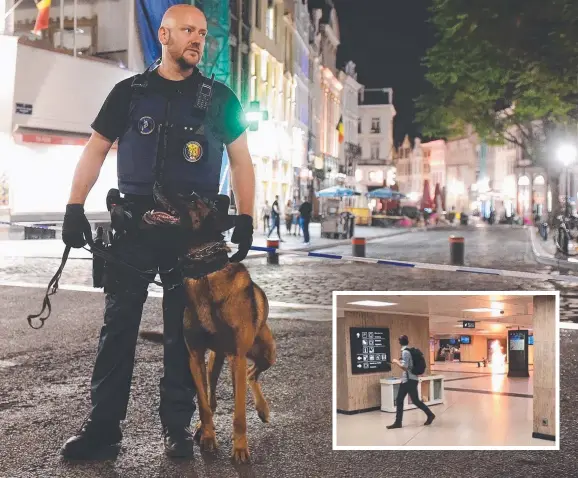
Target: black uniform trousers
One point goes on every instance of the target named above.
(126, 293)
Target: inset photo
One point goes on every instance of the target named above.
(446, 370)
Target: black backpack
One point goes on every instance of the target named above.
(418, 361)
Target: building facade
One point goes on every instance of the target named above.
(298, 20)
(271, 90)
(350, 148)
(435, 156)
(462, 172)
(375, 130)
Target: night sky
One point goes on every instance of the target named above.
(387, 39)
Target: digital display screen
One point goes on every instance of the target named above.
(465, 339)
(531, 340)
(453, 341)
(370, 350)
(517, 341)
(518, 353)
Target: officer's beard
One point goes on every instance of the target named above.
(184, 65)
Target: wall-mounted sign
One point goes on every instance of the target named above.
(23, 109)
(469, 324)
(370, 351)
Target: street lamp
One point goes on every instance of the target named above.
(567, 156)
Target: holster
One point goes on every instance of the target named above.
(98, 262)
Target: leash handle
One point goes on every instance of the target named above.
(50, 290)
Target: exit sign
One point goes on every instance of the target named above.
(469, 324)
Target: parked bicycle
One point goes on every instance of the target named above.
(567, 233)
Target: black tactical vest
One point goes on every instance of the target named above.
(177, 130)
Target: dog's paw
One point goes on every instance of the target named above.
(209, 442)
(264, 415)
(241, 455)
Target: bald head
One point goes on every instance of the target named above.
(182, 35)
(177, 13)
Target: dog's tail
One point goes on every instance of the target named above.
(154, 336)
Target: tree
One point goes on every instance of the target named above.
(508, 69)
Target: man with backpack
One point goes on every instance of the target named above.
(413, 364)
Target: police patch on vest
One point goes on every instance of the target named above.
(193, 151)
(146, 125)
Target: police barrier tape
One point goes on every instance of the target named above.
(386, 262)
(421, 265)
(32, 226)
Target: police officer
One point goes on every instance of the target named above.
(197, 126)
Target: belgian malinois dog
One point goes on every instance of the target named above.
(226, 314)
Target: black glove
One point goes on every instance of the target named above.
(76, 230)
(242, 235)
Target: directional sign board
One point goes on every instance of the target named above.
(369, 350)
(469, 324)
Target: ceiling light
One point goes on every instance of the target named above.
(371, 303)
(483, 309)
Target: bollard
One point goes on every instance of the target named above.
(272, 256)
(457, 250)
(358, 246)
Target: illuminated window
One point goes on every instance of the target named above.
(253, 60)
(270, 25)
(253, 88)
(264, 64)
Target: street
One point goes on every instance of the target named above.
(45, 374)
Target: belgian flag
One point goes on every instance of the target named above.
(340, 128)
(43, 17)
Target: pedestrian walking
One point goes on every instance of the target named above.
(276, 219)
(266, 214)
(409, 383)
(288, 216)
(305, 211)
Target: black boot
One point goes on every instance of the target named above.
(393, 425)
(178, 442)
(93, 438)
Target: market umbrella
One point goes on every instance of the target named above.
(444, 198)
(426, 199)
(381, 193)
(336, 192)
(438, 198)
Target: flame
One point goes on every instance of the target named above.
(497, 359)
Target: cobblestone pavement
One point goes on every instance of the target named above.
(310, 280)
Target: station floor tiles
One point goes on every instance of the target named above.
(480, 409)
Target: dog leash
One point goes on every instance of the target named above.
(53, 284)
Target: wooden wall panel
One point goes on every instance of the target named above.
(545, 364)
(361, 392)
(342, 365)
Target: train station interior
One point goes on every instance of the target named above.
(491, 370)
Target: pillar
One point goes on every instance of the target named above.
(545, 370)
